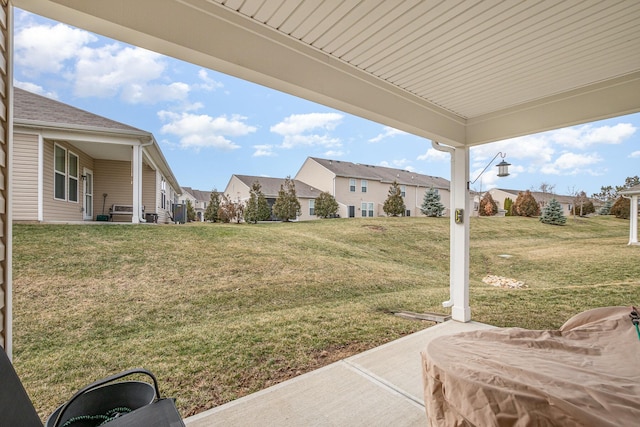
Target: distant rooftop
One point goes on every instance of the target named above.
(381, 173)
(271, 186)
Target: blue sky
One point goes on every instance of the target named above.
(210, 125)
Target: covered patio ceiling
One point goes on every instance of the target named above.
(460, 72)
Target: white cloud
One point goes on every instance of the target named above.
(308, 130)
(300, 123)
(201, 131)
(334, 153)
(208, 83)
(388, 132)
(587, 135)
(113, 70)
(134, 74)
(535, 148)
(264, 150)
(433, 155)
(634, 154)
(43, 48)
(32, 87)
(571, 164)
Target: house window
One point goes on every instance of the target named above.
(60, 171)
(367, 209)
(363, 184)
(312, 207)
(403, 190)
(73, 177)
(163, 193)
(352, 185)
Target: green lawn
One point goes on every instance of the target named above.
(219, 311)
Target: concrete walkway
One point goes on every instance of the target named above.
(380, 387)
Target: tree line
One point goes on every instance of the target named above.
(223, 208)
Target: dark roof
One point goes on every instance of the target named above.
(203, 196)
(271, 186)
(381, 173)
(30, 107)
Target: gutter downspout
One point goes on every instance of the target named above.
(446, 149)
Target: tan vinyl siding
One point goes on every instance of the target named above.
(25, 177)
(62, 210)
(114, 178)
(316, 175)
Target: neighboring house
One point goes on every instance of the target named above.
(361, 190)
(72, 165)
(239, 187)
(199, 200)
(543, 199)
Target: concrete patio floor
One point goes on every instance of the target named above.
(380, 387)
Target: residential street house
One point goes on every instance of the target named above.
(199, 200)
(239, 187)
(72, 165)
(361, 190)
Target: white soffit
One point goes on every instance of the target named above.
(460, 71)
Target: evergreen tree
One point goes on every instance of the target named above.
(191, 212)
(257, 208)
(508, 203)
(606, 208)
(621, 208)
(211, 214)
(394, 205)
(326, 205)
(287, 206)
(431, 205)
(488, 206)
(525, 205)
(552, 214)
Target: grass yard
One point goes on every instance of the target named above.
(219, 311)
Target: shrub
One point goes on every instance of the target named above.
(488, 206)
(525, 205)
(621, 208)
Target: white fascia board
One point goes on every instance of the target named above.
(603, 100)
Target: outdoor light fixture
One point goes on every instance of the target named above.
(503, 167)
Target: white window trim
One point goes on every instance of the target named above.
(76, 178)
(364, 184)
(312, 207)
(352, 188)
(56, 172)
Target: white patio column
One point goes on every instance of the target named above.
(459, 262)
(458, 233)
(633, 226)
(137, 183)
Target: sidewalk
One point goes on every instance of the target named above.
(380, 387)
